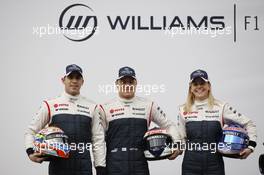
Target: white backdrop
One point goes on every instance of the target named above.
(32, 66)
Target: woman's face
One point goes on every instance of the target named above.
(200, 89)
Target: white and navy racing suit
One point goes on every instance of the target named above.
(74, 115)
(124, 124)
(203, 126)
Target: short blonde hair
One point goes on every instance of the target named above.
(190, 99)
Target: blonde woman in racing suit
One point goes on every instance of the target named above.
(201, 120)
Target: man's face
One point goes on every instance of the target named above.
(73, 83)
(126, 87)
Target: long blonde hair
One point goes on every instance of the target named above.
(191, 98)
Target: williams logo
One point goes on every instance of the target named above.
(78, 22)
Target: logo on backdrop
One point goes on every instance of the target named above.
(78, 22)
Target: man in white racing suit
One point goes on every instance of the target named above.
(124, 122)
(74, 114)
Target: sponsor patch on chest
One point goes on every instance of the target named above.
(190, 115)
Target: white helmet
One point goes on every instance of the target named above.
(158, 144)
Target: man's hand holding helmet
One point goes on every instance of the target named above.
(175, 154)
(37, 157)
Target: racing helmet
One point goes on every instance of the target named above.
(261, 163)
(158, 144)
(52, 141)
(234, 139)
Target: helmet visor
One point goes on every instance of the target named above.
(56, 138)
(157, 141)
(234, 139)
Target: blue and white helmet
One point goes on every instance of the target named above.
(234, 139)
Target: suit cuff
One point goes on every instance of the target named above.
(252, 143)
(30, 151)
(252, 148)
(100, 170)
